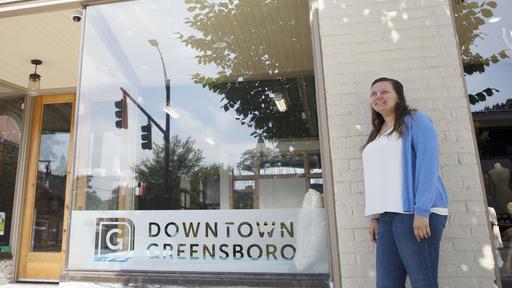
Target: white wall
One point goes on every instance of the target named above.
(413, 41)
(282, 193)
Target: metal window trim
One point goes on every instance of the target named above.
(325, 149)
(19, 190)
(75, 137)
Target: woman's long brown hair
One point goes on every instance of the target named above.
(401, 110)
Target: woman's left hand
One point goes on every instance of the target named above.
(421, 227)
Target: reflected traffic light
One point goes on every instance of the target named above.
(121, 113)
(147, 143)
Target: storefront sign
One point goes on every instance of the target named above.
(276, 241)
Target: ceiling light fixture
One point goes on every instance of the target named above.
(172, 112)
(209, 140)
(494, 19)
(281, 103)
(34, 79)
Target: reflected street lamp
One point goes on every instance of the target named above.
(167, 139)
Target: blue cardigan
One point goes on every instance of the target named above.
(423, 188)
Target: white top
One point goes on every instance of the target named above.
(383, 176)
(382, 162)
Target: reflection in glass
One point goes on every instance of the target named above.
(51, 178)
(282, 165)
(240, 127)
(315, 163)
(243, 185)
(485, 54)
(484, 30)
(11, 117)
(243, 129)
(317, 184)
(243, 200)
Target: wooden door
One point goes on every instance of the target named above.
(45, 210)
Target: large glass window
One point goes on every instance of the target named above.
(200, 105)
(485, 36)
(11, 122)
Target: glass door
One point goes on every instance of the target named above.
(45, 211)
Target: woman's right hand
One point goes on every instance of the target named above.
(374, 224)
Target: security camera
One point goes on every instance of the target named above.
(76, 16)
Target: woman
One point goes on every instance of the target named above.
(405, 196)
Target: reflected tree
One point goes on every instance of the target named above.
(251, 159)
(470, 16)
(507, 105)
(253, 75)
(87, 197)
(199, 190)
(186, 160)
(482, 137)
(92, 200)
(260, 158)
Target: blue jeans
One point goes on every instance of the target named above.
(399, 253)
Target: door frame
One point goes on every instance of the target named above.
(25, 237)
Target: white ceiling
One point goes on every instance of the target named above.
(49, 36)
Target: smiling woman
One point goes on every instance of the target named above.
(198, 105)
(404, 194)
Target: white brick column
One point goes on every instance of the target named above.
(413, 41)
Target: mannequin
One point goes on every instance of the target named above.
(500, 179)
(489, 193)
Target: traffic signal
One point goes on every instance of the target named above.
(121, 113)
(147, 143)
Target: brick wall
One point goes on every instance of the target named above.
(413, 41)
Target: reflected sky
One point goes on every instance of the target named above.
(117, 53)
(499, 75)
(119, 34)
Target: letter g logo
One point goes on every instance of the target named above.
(114, 235)
(119, 244)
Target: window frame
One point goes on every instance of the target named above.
(333, 279)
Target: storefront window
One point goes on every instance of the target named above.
(485, 36)
(11, 121)
(192, 106)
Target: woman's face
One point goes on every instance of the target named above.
(383, 98)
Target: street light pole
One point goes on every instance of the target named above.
(167, 135)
